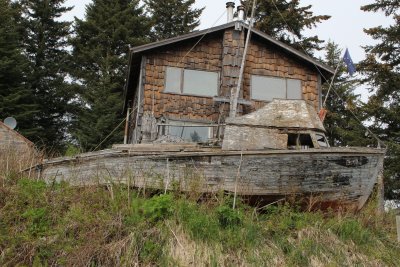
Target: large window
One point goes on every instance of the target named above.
(188, 131)
(268, 88)
(193, 82)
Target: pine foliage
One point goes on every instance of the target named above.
(283, 19)
(16, 99)
(100, 51)
(343, 128)
(46, 47)
(382, 71)
(171, 18)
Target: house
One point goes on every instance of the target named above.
(16, 152)
(182, 86)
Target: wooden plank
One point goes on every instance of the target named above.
(319, 173)
(398, 228)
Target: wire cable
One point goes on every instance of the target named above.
(116, 128)
(201, 38)
(333, 89)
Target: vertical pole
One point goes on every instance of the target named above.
(235, 94)
(398, 228)
(381, 188)
(127, 126)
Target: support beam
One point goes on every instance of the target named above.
(398, 228)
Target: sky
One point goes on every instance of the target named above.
(345, 26)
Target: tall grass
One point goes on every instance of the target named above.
(58, 224)
(14, 159)
(114, 225)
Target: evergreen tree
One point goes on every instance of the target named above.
(171, 18)
(100, 50)
(16, 99)
(382, 70)
(283, 19)
(45, 44)
(342, 127)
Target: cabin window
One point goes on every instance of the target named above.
(188, 131)
(173, 80)
(322, 142)
(299, 141)
(192, 82)
(268, 88)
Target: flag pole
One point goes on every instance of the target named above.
(333, 79)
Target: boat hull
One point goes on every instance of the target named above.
(331, 177)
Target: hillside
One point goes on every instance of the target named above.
(116, 226)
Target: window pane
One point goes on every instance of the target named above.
(321, 140)
(267, 88)
(294, 89)
(203, 83)
(173, 80)
(190, 134)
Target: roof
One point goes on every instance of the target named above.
(136, 52)
(282, 113)
(16, 134)
(150, 46)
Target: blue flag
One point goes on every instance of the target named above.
(349, 62)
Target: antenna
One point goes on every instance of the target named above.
(10, 122)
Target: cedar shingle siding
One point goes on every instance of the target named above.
(218, 51)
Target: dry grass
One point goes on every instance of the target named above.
(59, 224)
(14, 159)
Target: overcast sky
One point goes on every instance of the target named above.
(345, 27)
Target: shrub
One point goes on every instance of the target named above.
(158, 207)
(229, 217)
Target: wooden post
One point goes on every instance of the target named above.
(127, 126)
(235, 94)
(380, 189)
(398, 228)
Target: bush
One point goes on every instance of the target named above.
(158, 207)
(229, 217)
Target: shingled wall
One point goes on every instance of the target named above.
(205, 56)
(221, 53)
(266, 61)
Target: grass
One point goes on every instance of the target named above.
(58, 224)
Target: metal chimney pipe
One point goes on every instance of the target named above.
(229, 9)
(240, 11)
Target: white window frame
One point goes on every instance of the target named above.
(182, 78)
(274, 77)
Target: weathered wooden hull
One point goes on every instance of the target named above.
(332, 176)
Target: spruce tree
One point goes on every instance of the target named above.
(382, 71)
(283, 19)
(16, 98)
(46, 47)
(343, 129)
(100, 50)
(172, 18)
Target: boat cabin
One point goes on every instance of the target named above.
(280, 124)
(179, 89)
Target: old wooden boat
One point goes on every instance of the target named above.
(274, 152)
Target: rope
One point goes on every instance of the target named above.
(201, 38)
(380, 142)
(330, 85)
(190, 50)
(113, 131)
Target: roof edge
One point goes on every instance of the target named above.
(194, 34)
(29, 142)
